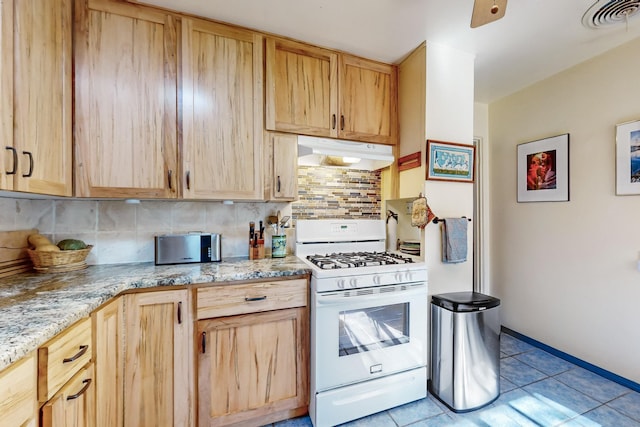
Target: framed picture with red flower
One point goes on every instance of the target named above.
(543, 170)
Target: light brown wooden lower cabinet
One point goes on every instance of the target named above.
(74, 404)
(109, 363)
(158, 354)
(18, 398)
(253, 368)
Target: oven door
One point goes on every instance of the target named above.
(368, 333)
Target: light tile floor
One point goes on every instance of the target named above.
(536, 389)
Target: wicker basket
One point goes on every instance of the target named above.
(63, 260)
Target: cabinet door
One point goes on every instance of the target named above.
(368, 100)
(18, 399)
(126, 109)
(42, 96)
(7, 159)
(222, 111)
(109, 363)
(252, 368)
(157, 372)
(284, 175)
(74, 404)
(301, 88)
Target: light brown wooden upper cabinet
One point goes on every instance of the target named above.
(368, 100)
(319, 92)
(35, 110)
(222, 113)
(126, 75)
(7, 160)
(281, 167)
(301, 88)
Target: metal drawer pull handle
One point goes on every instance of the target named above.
(28, 174)
(180, 312)
(15, 161)
(83, 350)
(255, 298)
(86, 383)
(204, 343)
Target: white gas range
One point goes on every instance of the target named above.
(368, 320)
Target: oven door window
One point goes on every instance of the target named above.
(373, 328)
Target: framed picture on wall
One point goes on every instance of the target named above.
(543, 170)
(449, 161)
(628, 158)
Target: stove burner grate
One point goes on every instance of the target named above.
(357, 259)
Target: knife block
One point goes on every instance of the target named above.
(256, 252)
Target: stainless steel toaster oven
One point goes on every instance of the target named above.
(187, 248)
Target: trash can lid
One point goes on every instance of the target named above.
(465, 301)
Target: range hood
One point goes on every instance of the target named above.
(313, 151)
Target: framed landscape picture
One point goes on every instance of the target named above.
(628, 158)
(543, 170)
(449, 161)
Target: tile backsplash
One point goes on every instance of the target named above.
(123, 233)
(327, 192)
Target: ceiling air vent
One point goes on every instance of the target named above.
(608, 12)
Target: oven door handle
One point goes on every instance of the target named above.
(341, 297)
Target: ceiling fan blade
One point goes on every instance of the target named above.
(483, 13)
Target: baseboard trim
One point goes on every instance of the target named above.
(579, 362)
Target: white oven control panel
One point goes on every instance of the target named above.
(404, 275)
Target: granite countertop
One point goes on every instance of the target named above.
(36, 307)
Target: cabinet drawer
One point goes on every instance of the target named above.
(229, 300)
(73, 404)
(61, 357)
(18, 392)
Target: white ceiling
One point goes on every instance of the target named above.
(535, 39)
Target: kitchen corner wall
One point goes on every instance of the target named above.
(123, 233)
(566, 271)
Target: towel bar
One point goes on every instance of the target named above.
(437, 220)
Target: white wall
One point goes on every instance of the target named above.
(449, 117)
(482, 226)
(438, 82)
(566, 271)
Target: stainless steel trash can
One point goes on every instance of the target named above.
(465, 350)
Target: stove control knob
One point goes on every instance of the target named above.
(398, 277)
(353, 283)
(340, 283)
(376, 280)
(409, 276)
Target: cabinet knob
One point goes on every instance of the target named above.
(278, 185)
(204, 342)
(180, 313)
(188, 180)
(169, 178)
(342, 122)
(333, 121)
